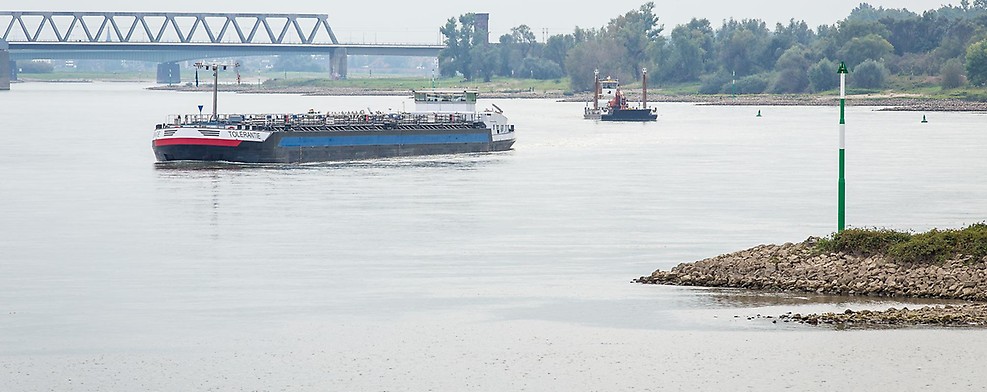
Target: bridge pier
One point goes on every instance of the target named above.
(5, 63)
(169, 73)
(337, 63)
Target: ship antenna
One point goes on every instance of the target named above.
(214, 67)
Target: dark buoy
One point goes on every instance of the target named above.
(759, 113)
(924, 120)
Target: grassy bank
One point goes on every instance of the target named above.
(934, 246)
(410, 83)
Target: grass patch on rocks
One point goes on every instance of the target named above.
(934, 246)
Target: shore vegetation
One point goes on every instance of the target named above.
(934, 246)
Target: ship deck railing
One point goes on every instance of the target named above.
(309, 120)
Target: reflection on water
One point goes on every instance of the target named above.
(743, 298)
(461, 161)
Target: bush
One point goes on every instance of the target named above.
(937, 246)
(952, 74)
(863, 242)
(753, 84)
(869, 74)
(934, 246)
(790, 81)
(823, 76)
(712, 84)
(539, 68)
(976, 63)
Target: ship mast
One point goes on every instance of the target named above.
(596, 89)
(214, 67)
(644, 82)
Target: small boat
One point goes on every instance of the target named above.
(617, 108)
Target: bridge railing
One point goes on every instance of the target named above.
(160, 27)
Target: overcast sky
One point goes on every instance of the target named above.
(418, 21)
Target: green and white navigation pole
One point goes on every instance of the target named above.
(841, 220)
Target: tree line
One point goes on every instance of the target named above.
(948, 45)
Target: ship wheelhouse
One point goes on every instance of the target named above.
(457, 101)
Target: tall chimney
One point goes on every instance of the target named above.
(481, 25)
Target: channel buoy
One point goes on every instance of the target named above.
(759, 113)
(924, 120)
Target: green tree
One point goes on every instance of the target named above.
(460, 38)
(873, 47)
(867, 13)
(783, 38)
(738, 53)
(869, 74)
(741, 46)
(636, 31)
(951, 74)
(689, 52)
(791, 70)
(601, 54)
(484, 61)
(849, 29)
(976, 62)
(822, 75)
(514, 47)
(557, 47)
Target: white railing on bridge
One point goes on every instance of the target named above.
(165, 27)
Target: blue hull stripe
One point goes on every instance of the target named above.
(382, 140)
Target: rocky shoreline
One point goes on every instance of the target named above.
(801, 268)
(965, 315)
(890, 102)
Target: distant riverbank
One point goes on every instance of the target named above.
(888, 102)
(878, 263)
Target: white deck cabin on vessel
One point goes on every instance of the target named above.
(446, 101)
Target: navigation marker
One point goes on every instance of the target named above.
(759, 113)
(924, 120)
(841, 209)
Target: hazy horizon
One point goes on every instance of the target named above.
(393, 21)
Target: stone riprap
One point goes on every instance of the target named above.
(965, 315)
(799, 267)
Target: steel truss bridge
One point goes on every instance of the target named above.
(171, 37)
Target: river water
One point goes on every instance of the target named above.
(492, 272)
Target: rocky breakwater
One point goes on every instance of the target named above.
(802, 267)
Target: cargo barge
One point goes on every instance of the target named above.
(443, 122)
